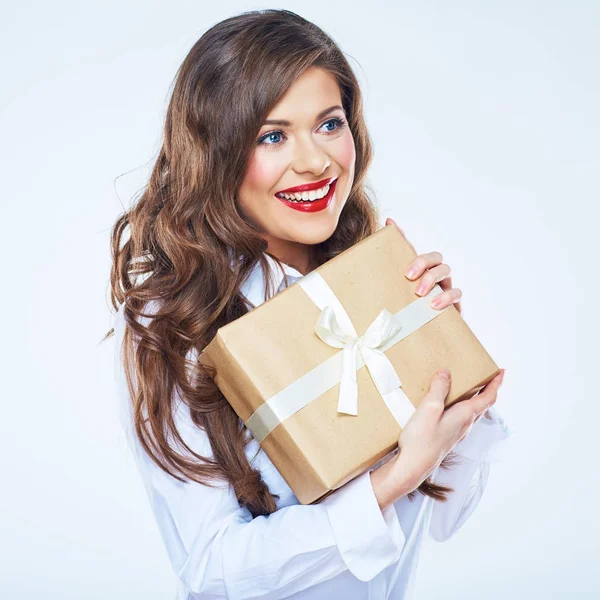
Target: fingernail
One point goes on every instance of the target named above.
(421, 289)
(444, 373)
(411, 272)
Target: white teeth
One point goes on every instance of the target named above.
(305, 196)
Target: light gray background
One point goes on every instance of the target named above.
(485, 122)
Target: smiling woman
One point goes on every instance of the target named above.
(234, 211)
(299, 177)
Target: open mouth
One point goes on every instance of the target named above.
(309, 201)
(310, 195)
(306, 196)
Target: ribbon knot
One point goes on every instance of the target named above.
(343, 335)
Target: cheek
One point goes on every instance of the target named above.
(346, 155)
(262, 174)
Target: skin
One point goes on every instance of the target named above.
(308, 150)
(311, 148)
(428, 437)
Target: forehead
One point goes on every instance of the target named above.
(315, 90)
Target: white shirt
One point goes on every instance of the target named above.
(345, 547)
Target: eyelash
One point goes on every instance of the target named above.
(340, 123)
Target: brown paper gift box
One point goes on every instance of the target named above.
(317, 449)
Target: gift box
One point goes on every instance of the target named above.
(326, 373)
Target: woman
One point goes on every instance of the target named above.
(263, 103)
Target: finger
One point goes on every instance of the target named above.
(487, 397)
(446, 283)
(438, 389)
(423, 262)
(431, 277)
(458, 306)
(466, 411)
(446, 299)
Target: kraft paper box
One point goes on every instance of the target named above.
(350, 336)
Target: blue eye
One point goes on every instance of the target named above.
(271, 135)
(338, 122)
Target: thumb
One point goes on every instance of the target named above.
(439, 387)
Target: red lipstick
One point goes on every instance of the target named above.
(308, 205)
(307, 187)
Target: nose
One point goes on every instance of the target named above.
(310, 157)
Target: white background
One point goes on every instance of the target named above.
(485, 121)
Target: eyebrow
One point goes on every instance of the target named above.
(288, 123)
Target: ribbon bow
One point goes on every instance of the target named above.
(381, 330)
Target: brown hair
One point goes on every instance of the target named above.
(187, 226)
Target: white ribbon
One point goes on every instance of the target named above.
(335, 328)
(382, 330)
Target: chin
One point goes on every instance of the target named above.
(316, 233)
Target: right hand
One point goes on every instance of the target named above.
(429, 436)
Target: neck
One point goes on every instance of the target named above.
(302, 257)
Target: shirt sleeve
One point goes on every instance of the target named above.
(484, 444)
(217, 549)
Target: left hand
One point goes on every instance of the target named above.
(434, 272)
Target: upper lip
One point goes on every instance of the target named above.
(307, 187)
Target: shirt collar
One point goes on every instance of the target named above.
(253, 286)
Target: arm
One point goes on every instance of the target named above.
(485, 443)
(217, 548)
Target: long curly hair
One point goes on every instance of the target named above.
(190, 247)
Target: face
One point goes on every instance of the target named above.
(313, 146)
